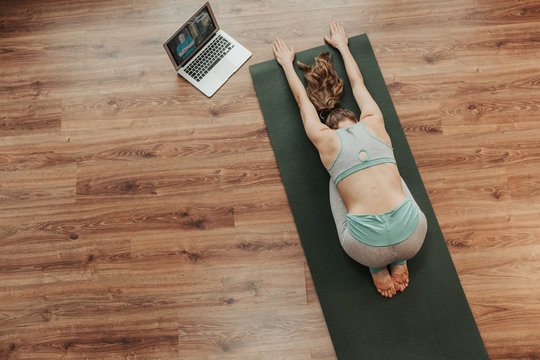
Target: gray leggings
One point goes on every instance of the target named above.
(376, 256)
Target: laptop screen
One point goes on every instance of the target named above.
(192, 36)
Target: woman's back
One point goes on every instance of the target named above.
(373, 190)
(365, 172)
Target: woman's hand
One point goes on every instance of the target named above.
(338, 38)
(284, 54)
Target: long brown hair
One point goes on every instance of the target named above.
(325, 89)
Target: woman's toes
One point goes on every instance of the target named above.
(405, 284)
(384, 283)
(400, 276)
(402, 286)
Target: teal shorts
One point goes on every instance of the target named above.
(377, 241)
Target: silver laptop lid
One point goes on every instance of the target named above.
(192, 36)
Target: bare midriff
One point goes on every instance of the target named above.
(373, 190)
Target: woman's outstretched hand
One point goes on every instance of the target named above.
(338, 38)
(284, 54)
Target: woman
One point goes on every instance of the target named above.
(378, 222)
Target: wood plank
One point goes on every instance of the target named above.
(247, 334)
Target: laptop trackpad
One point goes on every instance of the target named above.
(224, 68)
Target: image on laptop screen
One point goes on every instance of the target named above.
(191, 36)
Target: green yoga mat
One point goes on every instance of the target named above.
(431, 319)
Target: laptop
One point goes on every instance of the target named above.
(204, 54)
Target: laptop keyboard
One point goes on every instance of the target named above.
(218, 48)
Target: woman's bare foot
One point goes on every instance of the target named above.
(400, 276)
(384, 283)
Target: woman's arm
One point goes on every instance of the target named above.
(369, 108)
(316, 131)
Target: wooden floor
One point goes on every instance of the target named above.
(141, 220)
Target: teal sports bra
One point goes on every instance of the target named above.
(359, 150)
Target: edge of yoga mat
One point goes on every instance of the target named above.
(432, 318)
